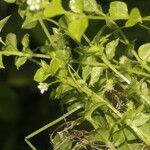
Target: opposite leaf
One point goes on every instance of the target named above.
(3, 21)
(118, 10)
(54, 8)
(144, 52)
(134, 18)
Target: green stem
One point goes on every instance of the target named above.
(30, 144)
(105, 60)
(46, 31)
(90, 64)
(21, 54)
(143, 64)
(139, 73)
(52, 123)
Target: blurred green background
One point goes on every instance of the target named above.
(22, 108)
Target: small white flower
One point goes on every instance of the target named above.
(34, 4)
(42, 87)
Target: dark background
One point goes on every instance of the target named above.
(22, 108)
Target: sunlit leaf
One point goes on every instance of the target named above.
(77, 27)
(134, 18)
(25, 41)
(76, 5)
(54, 8)
(118, 10)
(29, 22)
(111, 48)
(20, 61)
(144, 52)
(91, 6)
(95, 74)
(11, 42)
(55, 65)
(41, 75)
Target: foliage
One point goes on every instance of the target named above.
(110, 91)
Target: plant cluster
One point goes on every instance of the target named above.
(103, 78)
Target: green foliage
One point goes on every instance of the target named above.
(102, 74)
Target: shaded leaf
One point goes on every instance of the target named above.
(134, 18)
(3, 22)
(54, 8)
(118, 10)
(1, 62)
(144, 52)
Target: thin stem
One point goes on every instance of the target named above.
(52, 123)
(30, 144)
(144, 65)
(21, 54)
(46, 31)
(86, 39)
(114, 69)
(90, 64)
(52, 21)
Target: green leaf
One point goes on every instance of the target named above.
(86, 70)
(111, 49)
(29, 22)
(91, 6)
(134, 18)
(55, 65)
(1, 62)
(77, 27)
(95, 75)
(76, 5)
(10, 1)
(61, 141)
(118, 10)
(140, 119)
(54, 8)
(25, 41)
(11, 42)
(124, 146)
(3, 22)
(20, 61)
(118, 137)
(41, 75)
(144, 52)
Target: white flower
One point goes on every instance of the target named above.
(43, 87)
(34, 4)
